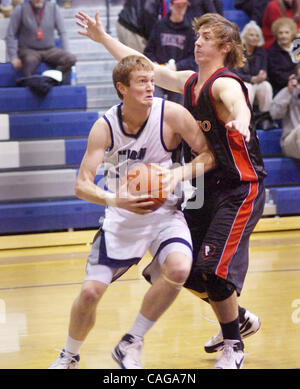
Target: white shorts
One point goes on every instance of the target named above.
(114, 251)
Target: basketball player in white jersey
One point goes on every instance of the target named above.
(141, 129)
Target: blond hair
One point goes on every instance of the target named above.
(123, 69)
(284, 22)
(252, 25)
(225, 32)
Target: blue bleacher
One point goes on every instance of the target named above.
(236, 16)
(49, 215)
(228, 5)
(283, 180)
(282, 171)
(8, 76)
(287, 200)
(59, 97)
(270, 142)
(75, 149)
(55, 125)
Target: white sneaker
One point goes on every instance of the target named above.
(65, 361)
(128, 352)
(232, 355)
(248, 327)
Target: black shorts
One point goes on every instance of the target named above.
(221, 230)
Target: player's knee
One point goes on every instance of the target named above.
(217, 288)
(180, 273)
(90, 295)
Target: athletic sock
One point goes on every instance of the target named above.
(141, 326)
(231, 330)
(73, 346)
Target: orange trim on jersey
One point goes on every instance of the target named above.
(240, 156)
(237, 230)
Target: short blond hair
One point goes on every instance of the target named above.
(284, 22)
(225, 32)
(123, 69)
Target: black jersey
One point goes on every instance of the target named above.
(237, 159)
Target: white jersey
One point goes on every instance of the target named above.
(124, 237)
(147, 146)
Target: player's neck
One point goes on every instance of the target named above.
(207, 70)
(134, 119)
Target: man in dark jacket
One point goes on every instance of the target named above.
(136, 21)
(171, 44)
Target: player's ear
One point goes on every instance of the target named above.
(226, 48)
(121, 88)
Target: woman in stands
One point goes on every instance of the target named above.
(254, 73)
(275, 10)
(281, 64)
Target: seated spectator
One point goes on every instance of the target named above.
(7, 6)
(280, 56)
(33, 25)
(136, 20)
(171, 44)
(286, 106)
(277, 9)
(254, 73)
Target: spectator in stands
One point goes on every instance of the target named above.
(254, 73)
(255, 9)
(34, 24)
(280, 54)
(136, 20)
(171, 44)
(275, 10)
(7, 6)
(286, 106)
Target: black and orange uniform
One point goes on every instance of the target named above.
(234, 194)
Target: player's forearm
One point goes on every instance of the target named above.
(203, 163)
(117, 49)
(88, 191)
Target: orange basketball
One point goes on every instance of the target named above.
(142, 179)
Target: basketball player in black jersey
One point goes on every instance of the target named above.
(234, 191)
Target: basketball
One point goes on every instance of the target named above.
(143, 179)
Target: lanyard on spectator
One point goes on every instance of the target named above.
(39, 31)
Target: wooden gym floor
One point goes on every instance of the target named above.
(39, 284)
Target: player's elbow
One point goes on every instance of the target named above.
(78, 189)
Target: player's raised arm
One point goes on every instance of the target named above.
(93, 29)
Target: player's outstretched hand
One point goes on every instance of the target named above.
(236, 125)
(91, 28)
